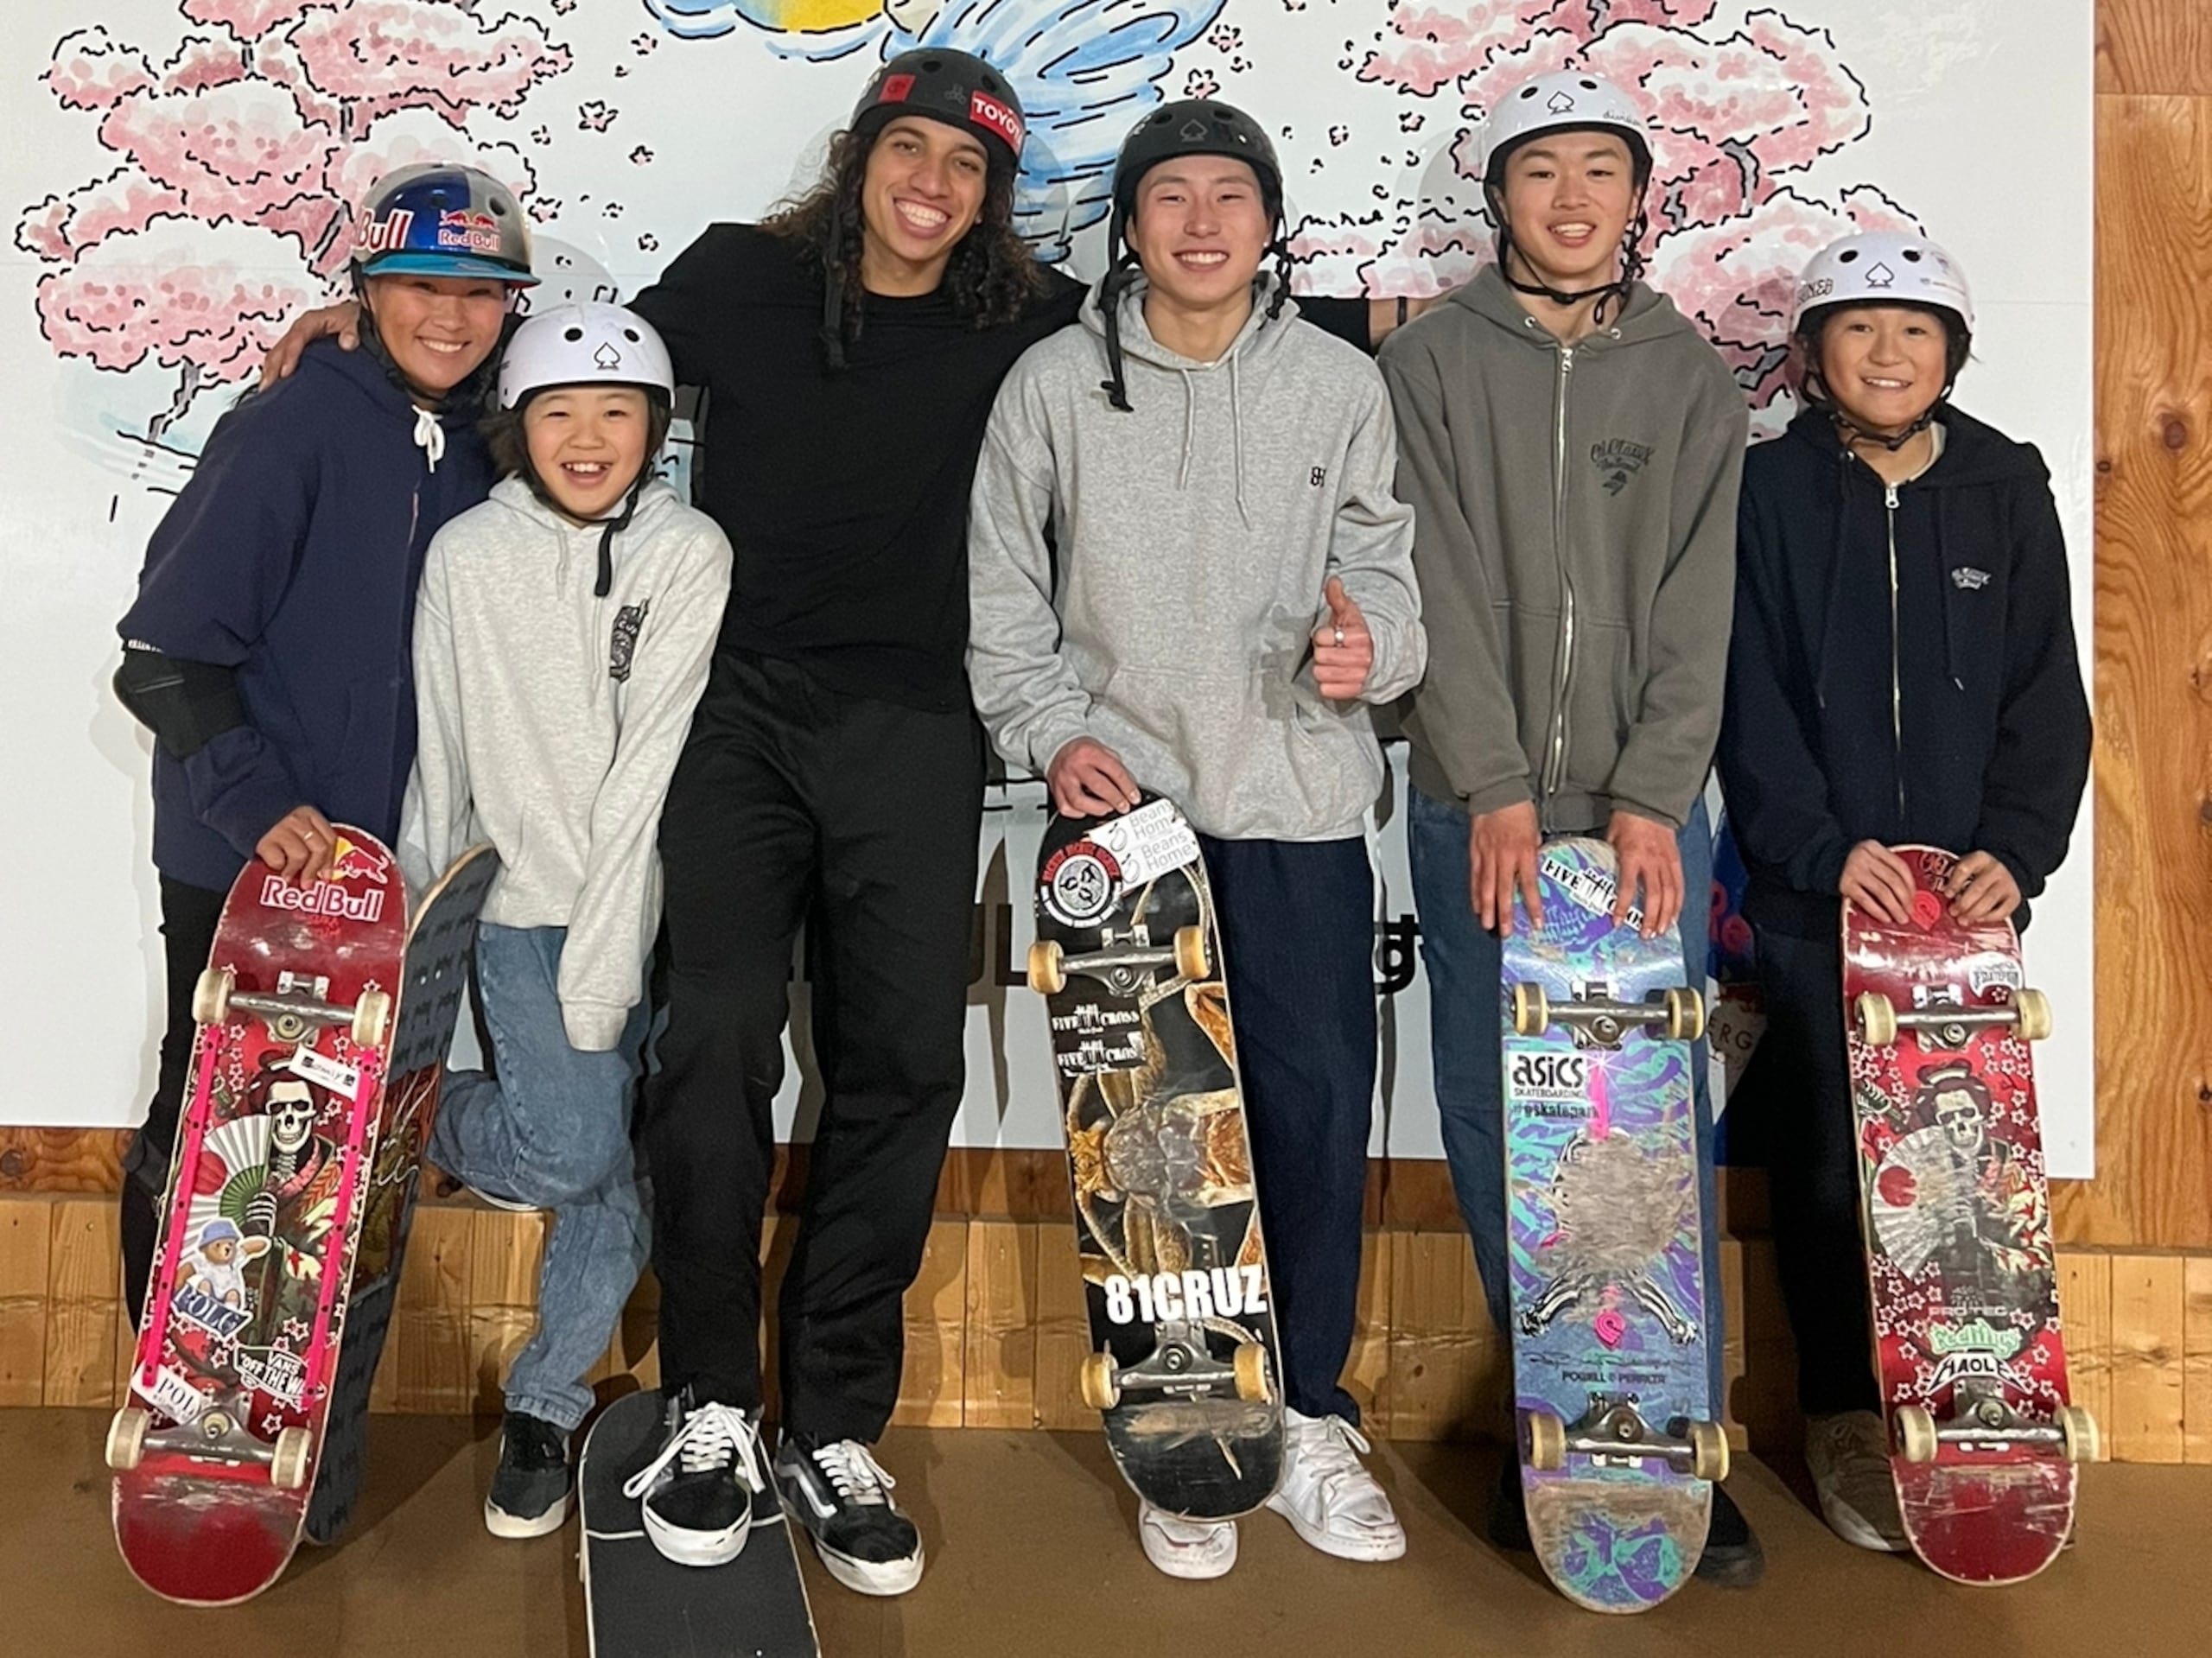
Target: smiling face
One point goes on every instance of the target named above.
(1884, 365)
(587, 444)
(922, 191)
(438, 329)
(1200, 228)
(1569, 197)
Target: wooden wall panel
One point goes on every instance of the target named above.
(2153, 797)
(2154, 45)
(2085, 1308)
(26, 1250)
(2148, 1304)
(2196, 1360)
(84, 1286)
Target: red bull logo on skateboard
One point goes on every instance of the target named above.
(324, 898)
(351, 861)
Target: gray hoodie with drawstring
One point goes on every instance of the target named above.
(1153, 579)
(1576, 512)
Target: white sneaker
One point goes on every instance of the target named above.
(1329, 1498)
(1849, 1456)
(1196, 1549)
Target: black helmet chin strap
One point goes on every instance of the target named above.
(1814, 393)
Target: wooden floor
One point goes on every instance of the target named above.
(1032, 1552)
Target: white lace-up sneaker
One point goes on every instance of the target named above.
(1849, 1456)
(1330, 1499)
(841, 1495)
(698, 1491)
(1193, 1549)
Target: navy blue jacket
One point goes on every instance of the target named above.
(292, 557)
(1951, 713)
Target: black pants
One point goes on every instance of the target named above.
(1297, 947)
(188, 918)
(1801, 1081)
(793, 800)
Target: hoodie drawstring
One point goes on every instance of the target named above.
(1236, 438)
(430, 435)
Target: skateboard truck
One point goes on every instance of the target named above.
(1181, 1366)
(1599, 1022)
(1981, 1420)
(217, 1434)
(1950, 1028)
(297, 1006)
(1121, 965)
(1613, 1434)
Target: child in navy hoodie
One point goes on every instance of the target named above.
(267, 649)
(1902, 670)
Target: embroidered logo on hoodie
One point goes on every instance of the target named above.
(1619, 461)
(1967, 579)
(629, 622)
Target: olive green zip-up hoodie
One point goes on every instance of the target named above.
(1574, 538)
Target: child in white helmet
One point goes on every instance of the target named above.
(1902, 669)
(562, 638)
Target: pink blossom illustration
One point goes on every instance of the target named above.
(270, 120)
(1736, 119)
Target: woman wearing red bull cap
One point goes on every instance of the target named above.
(268, 647)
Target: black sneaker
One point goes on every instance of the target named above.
(1509, 1512)
(530, 1493)
(698, 1491)
(842, 1497)
(1732, 1556)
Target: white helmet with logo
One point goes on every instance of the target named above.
(1571, 100)
(584, 343)
(1876, 267)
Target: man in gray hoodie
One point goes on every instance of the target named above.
(1193, 577)
(1572, 447)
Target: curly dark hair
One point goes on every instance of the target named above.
(991, 276)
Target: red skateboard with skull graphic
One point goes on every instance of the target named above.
(1956, 1216)
(215, 1450)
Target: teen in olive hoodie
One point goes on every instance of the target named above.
(1571, 447)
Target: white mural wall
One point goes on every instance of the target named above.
(177, 175)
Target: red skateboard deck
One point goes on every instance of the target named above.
(1956, 1214)
(230, 1379)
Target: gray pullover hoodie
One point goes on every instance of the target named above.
(1575, 509)
(1153, 579)
(552, 719)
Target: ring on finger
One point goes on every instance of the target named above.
(1340, 639)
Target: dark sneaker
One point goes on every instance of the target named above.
(530, 1493)
(842, 1497)
(1732, 1557)
(698, 1491)
(1509, 1513)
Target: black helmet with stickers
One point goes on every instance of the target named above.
(957, 88)
(1191, 126)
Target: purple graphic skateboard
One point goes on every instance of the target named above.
(1618, 1438)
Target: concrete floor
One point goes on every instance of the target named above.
(1031, 1552)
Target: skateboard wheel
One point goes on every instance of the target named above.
(1047, 976)
(1546, 1438)
(1190, 959)
(370, 1015)
(126, 1437)
(1878, 1019)
(1251, 1364)
(1915, 1431)
(1532, 1010)
(1709, 1452)
(2032, 1009)
(2078, 1435)
(1685, 1014)
(211, 996)
(288, 1465)
(1102, 1390)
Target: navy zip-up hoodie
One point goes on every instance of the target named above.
(292, 557)
(1951, 715)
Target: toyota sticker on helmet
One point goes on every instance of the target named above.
(986, 111)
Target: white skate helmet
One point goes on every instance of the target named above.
(584, 342)
(1873, 267)
(1568, 101)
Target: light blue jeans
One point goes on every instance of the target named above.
(1463, 963)
(551, 1125)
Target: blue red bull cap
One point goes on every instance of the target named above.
(438, 219)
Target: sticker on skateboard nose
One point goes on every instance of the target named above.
(1079, 883)
(1148, 843)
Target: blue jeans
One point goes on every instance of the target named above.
(551, 1125)
(1463, 962)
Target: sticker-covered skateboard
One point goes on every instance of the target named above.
(1183, 1363)
(1619, 1436)
(1738, 1013)
(234, 1365)
(639, 1603)
(441, 941)
(1957, 1219)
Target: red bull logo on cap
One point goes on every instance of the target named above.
(463, 227)
(385, 235)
